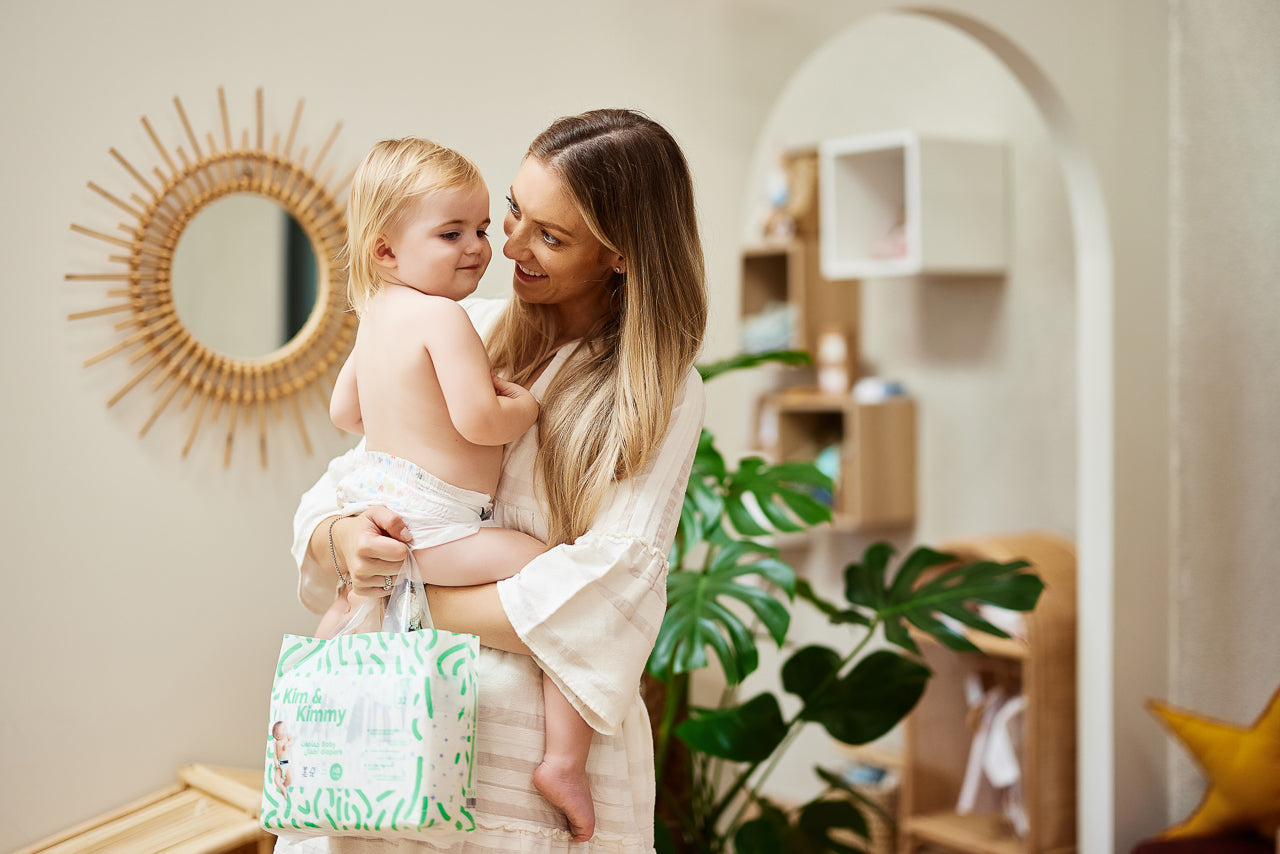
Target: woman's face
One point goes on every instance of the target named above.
(559, 261)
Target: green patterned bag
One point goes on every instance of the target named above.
(373, 734)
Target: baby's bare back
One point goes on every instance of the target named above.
(409, 348)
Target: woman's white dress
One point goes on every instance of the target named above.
(590, 611)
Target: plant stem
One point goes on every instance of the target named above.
(676, 690)
(792, 728)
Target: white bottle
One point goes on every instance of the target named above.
(833, 372)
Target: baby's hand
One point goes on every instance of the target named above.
(502, 388)
(520, 404)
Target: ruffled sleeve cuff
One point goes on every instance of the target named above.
(590, 612)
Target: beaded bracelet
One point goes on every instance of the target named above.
(333, 554)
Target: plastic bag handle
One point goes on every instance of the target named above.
(406, 607)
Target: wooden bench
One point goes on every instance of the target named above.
(210, 810)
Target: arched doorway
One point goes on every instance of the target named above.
(1092, 284)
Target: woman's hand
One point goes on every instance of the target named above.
(370, 547)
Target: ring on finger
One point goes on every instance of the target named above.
(388, 581)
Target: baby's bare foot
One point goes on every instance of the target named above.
(566, 787)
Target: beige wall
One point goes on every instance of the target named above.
(1225, 97)
(150, 592)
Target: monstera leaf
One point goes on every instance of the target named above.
(698, 613)
(951, 593)
(703, 500)
(763, 499)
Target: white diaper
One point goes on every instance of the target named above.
(435, 511)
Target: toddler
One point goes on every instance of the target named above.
(419, 386)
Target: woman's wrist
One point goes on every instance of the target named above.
(343, 577)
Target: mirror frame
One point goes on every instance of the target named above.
(249, 390)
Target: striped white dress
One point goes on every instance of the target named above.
(590, 611)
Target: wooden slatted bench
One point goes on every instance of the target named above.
(210, 810)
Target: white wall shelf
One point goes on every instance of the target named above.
(899, 204)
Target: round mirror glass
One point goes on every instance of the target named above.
(244, 276)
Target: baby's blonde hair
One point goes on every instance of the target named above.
(393, 173)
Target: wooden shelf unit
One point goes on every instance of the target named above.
(876, 485)
(1043, 668)
(786, 273)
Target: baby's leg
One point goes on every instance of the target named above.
(490, 554)
(340, 612)
(562, 775)
(336, 615)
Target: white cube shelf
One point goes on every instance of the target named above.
(899, 204)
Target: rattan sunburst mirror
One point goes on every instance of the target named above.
(220, 391)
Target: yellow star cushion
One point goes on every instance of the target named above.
(1243, 767)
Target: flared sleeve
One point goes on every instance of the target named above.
(590, 610)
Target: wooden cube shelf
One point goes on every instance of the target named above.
(937, 735)
(901, 203)
(875, 487)
(783, 277)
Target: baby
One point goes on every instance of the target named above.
(418, 384)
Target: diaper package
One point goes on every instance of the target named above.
(372, 735)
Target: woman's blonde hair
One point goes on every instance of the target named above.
(393, 173)
(608, 408)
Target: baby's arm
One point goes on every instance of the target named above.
(490, 554)
(485, 412)
(344, 405)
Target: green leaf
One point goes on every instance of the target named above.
(764, 835)
(819, 818)
(663, 841)
(864, 583)
(896, 633)
(742, 361)
(698, 615)
(744, 658)
(870, 699)
(746, 733)
(837, 782)
(808, 669)
(954, 592)
(764, 499)
(707, 461)
(918, 561)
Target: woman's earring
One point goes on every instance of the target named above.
(617, 269)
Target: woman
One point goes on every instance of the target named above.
(608, 316)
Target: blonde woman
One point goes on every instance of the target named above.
(608, 314)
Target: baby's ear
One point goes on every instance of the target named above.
(383, 254)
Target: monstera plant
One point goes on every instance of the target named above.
(727, 590)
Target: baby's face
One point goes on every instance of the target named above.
(442, 248)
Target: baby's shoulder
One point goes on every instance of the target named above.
(411, 307)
